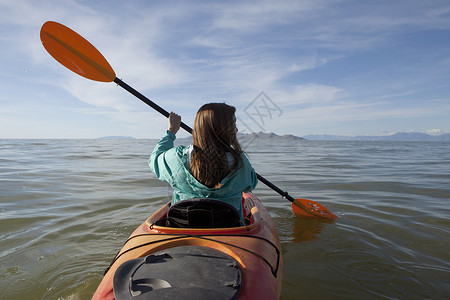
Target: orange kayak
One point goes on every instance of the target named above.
(159, 262)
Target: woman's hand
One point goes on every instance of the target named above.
(174, 122)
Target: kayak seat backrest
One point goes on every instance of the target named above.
(203, 213)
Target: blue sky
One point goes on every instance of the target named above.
(324, 67)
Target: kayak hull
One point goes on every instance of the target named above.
(255, 247)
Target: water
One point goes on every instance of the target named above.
(67, 206)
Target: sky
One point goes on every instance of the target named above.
(290, 67)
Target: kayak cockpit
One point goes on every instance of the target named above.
(202, 214)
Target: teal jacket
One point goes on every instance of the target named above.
(169, 164)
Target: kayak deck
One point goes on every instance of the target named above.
(255, 248)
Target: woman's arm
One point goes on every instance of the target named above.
(250, 177)
(157, 161)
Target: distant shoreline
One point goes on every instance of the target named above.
(402, 136)
(116, 138)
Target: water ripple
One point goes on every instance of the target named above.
(67, 206)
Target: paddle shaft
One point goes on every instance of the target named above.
(284, 194)
(189, 129)
(149, 102)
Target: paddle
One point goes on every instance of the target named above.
(77, 54)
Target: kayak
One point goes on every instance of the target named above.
(162, 262)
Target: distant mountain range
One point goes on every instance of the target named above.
(258, 135)
(116, 138)
(402, 136)
(268, 136)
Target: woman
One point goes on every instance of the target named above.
(213, 167)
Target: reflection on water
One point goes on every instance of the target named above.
(66, 208)
(306, 230)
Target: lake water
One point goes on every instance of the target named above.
(67, 206)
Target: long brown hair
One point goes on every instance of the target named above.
(214, 135)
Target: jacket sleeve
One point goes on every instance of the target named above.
(250, 175)
(158, 161)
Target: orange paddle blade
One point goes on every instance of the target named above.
(75, 53)
(304, 208)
